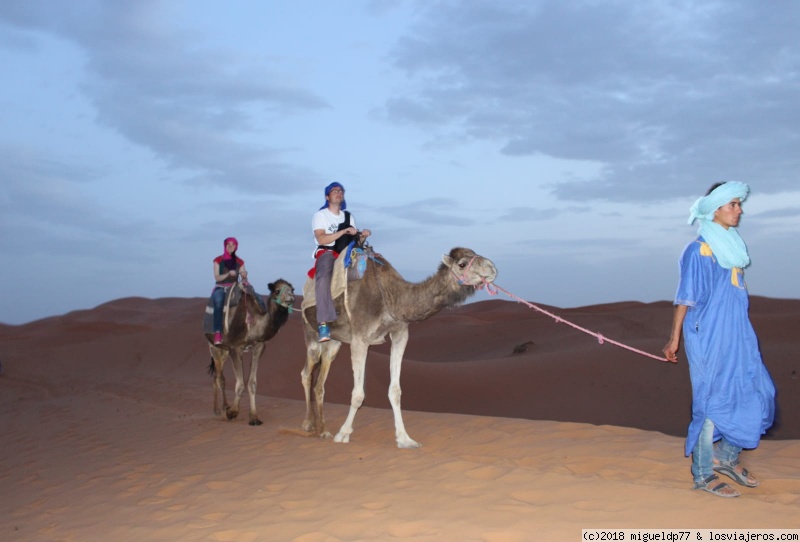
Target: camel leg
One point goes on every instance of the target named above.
(329, 351)
(233, 410)
(313, 351)
(218, 356)
(358, 350)
(399, 340)
(252, 381)
(316, 353)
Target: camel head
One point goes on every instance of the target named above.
(468, 268)
(281, 293)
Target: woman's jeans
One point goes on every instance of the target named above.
(218, 297)
(705, 452)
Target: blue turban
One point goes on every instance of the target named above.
(705, 207)
(728, 247)
(328, 191)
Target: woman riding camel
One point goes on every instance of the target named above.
(227, 270)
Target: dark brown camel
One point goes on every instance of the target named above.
(382, 303)
(250, 326)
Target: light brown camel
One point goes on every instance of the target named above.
(250, 327)
(382, 303)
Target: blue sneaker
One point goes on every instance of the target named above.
(324, 333)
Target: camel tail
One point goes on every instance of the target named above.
(212, 370)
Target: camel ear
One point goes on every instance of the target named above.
(447, 260)
(271, 286)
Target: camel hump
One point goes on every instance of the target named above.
(350, 265)
(338, 285)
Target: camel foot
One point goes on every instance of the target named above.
(307, 426)
(341, 437)
(255, 422)
(408, 443)
(325, 435)
(231, 414)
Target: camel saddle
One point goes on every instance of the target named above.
(348, 266)
(233, 294)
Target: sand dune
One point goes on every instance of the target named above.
(530, 431)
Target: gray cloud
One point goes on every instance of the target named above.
(784, 212)
(429, 212)
(47, 208)
(532, 214)
(667, 96)
(576, 246)
(161, 90)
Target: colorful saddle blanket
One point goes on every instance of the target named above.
(347, 268)
(235, 294)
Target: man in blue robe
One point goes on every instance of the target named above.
(733, 397)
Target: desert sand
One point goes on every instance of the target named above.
(530, 431)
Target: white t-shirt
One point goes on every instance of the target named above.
(329, 222)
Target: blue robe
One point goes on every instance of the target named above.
(730, 384)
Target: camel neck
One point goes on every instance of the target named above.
(435, 289)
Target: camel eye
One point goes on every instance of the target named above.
(462, 265)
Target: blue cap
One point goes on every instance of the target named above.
(328, 191)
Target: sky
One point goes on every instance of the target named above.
(566, 141)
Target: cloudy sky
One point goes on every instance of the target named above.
(564, 140)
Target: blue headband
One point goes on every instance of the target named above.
(328, 191)
(705, 207)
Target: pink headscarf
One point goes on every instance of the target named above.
(225, 254)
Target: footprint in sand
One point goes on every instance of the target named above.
(600, 506)
(502, 536)
(486, 473)
(131, 490)
(276, 488)
(47, 530)
(534, 497)
(234, 536)
(294, 505)
(375, 505)
(222, 486)
(202, 525)
(780, 491)
(408, 529)
(170, 490)
(216, 516)
(210, 436)
(33, 505)
(151, 501)
(300, 509)
(316, 536)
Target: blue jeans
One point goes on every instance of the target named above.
(705, 452)
(218, 297)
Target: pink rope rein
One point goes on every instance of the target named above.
(492, 289)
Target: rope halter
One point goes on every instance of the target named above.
(277, 299)
(462, 280)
